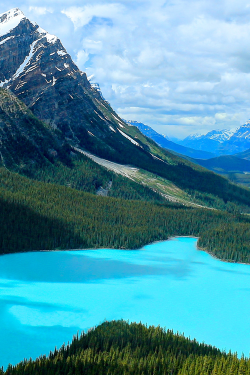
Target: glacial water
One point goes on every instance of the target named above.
(46, 297)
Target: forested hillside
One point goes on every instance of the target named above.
(32, 148)
(120, 348)
(39, 216)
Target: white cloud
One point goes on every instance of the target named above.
(40, 10)
(81, 59)
(81, 16)
(183, 64)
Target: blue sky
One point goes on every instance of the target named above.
(180, 66)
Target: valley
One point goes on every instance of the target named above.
(53, 295)
(75, 175)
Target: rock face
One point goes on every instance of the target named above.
(25, 141)
(35, 66)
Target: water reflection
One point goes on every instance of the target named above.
(59, 267)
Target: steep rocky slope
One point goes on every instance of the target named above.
(25, 141)
(38, 70)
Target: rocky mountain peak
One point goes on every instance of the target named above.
(10, 20)
(35, 67)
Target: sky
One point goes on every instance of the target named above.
(180, 66)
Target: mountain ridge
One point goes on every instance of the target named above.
(162, 141)
(221, 142)
(40, 73)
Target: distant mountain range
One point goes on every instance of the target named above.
(236, 166)
(221, 142)
(163, 141)
(210, 145)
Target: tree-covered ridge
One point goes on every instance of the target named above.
(40, 216)
(86, 175)
(32, 148)
(120, 348)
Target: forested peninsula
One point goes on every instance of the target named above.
(120, 348)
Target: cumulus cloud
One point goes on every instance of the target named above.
(40, 10)
(82, 58)
(181, 66)
(81, 16)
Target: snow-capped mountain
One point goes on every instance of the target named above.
(216, 135)
(242, 132)
(221, 141)
(239, 141)
(221, 135)
(38, 68)
(35, 66)
(163, 141)
(193, 136)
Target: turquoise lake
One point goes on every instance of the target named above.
(46, 297)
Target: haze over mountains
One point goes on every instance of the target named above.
(163, 141)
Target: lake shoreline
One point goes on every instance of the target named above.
(141, 248)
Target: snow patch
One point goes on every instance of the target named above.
(120, 123)
(221, 135)
(61, 53)
(6, 39)
(26, 60)
(66, 65)
(10, 20)
(54, 81)
(50, 38)
(4, 83)
(111, 128)
(129, 138)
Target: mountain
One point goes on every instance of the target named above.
(226, 163)
(26, 142)
(57, 128)
(221, 142)
(210, 142)
(163, 141)
(239, 140)
(243, 155)
(38, 71)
